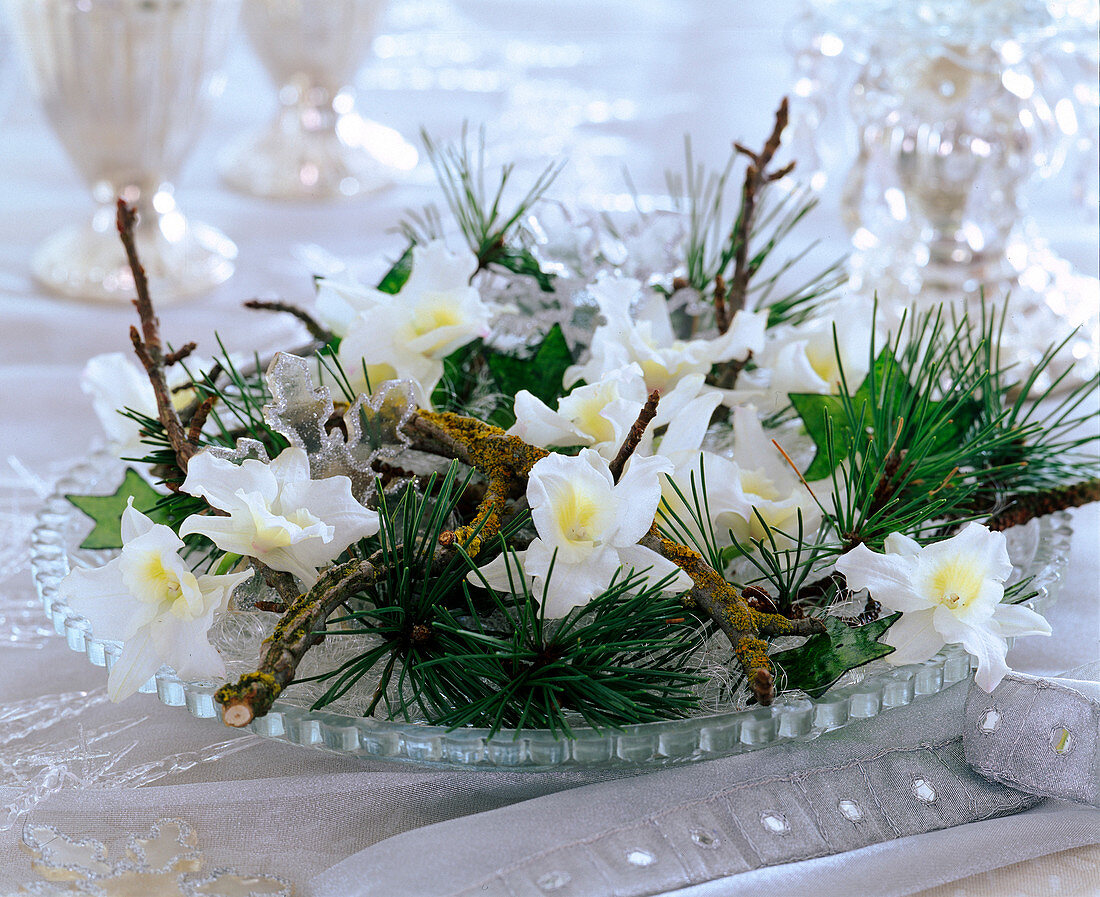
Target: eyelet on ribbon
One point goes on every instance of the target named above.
(776, 823)
(923, 791)
(553, 881)
(705, 839)
(988, 723)
(850, 810)
(1061, 740)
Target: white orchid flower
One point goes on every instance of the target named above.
(600, 415)
(406, 336)
(115, 382)
(150, 600)
(751, 494)
(588, 530)
(809, 358)
(949, 593)
(275, 512)
(645, 337)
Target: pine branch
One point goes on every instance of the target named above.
(1028, 505)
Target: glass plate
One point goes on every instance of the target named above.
(1039, 549)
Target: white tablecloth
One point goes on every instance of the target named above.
(612, 84)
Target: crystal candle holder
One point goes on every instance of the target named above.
(124, 85)
(318, 146)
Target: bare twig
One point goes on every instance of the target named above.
(634, 437)
(198, 419)
(318, 331)
(757, 177)
(147, 343)
(181, 353)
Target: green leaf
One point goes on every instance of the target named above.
(891, 387)
(459, 377)
(541, 374)
(106, 510)
(817, 413)
(823, 658)
(520, 261)
(397, 276)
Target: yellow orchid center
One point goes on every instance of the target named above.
(578, 516)
(956, 583)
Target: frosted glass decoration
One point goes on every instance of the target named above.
(942, 112)
(318, 146)
(124, 84)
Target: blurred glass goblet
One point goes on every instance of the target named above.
(318, 146)
(124, 84)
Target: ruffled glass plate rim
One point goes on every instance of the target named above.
(793, 717)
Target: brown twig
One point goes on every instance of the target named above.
(318, 331)
(1024, 507)
(147, 343)
(198, 419)
(721, 310)
(634, 437)
(757, 177)
(181, 353)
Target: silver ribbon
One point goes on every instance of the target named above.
(956, 758)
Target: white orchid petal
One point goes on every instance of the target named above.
(985, 551)
(1014, 620)
(538, 425)
(134, 522)
(900, 544)
(574, 585)
(655, 566)
(637, 494)
(504, 573)
(688, 426)
(219, 481)
(101, 597)
(987, 646)
(137, 663)
(435, 267)
(914, 638)
(230, 534)
(340, 302)
(331, 500)
(745, 335)
(888, 577)
(186, 648)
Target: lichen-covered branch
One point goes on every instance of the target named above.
(301, 627)
(744, 626)
(504, 460)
